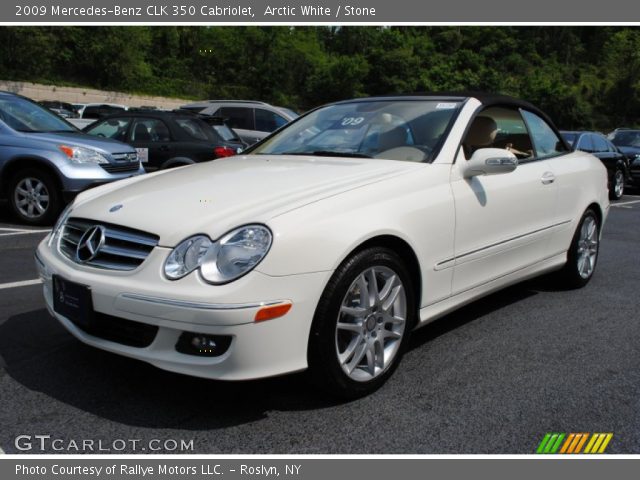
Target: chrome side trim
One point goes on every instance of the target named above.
(444, 263)
(200, 305)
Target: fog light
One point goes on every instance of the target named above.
(203, 345)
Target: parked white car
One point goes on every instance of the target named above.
(91, 112)
(327, 243)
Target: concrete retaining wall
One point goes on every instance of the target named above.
(37, 91)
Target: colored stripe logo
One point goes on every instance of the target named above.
(574, 443)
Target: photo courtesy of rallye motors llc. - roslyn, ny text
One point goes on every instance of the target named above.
(143, 471)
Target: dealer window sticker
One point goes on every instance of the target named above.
(446, 106)
(143, 154)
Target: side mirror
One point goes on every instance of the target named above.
(489, 161)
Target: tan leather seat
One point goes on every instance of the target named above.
(481, 134)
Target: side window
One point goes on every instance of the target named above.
(267, 121)
(115, 128)
(499, 127)
(545, 140)
(238, 117)
(194, 128)
(149, 130)
(600, 144)
(585, 144)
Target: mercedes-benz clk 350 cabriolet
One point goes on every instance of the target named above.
(327, 243)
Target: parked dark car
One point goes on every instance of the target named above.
(166, 139)
(616, 161)
(628, 142)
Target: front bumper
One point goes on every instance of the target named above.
(76, 178)
(257, 349)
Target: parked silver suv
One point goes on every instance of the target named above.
(45, 161)
(250, 119)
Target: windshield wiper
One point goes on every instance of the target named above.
(328, 153)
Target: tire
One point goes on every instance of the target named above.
(575, 273)
(616, 189)
(371, 329)
(31, 190)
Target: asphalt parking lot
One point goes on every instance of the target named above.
(493, 377)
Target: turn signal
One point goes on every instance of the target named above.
(272, 311)
(68, 151)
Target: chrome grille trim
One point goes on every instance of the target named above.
(124, 248)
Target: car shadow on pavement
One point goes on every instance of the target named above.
(474, 311)
(37, 352)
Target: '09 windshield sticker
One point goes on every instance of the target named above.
(351, 121)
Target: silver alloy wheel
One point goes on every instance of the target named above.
(618, 183)
(31, 197)
(587, 247)
(371, 323)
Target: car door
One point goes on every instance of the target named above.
(152, 140)
(570, 174)
(503, 221)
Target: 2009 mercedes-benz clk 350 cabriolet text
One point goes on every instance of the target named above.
(328, 242)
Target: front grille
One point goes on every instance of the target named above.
(119, 330)
(123, 248)
(124, 162)
(124, 168)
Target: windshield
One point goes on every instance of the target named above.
(225, 132)
(407, 130)
(626, 138)
(290, 112)
(25, 116)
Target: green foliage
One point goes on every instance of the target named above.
(584, 77)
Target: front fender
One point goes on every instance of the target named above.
(417, 209)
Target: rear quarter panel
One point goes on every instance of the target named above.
(582, 181)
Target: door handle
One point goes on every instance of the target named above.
(165, 148)
(548, 178)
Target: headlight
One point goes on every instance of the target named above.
(83, 155)
(227, 259)
(59, 223)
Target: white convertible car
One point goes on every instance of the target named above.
(327, 243)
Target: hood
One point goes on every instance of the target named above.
(215, 197)
(80, 139)
(628, 150)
